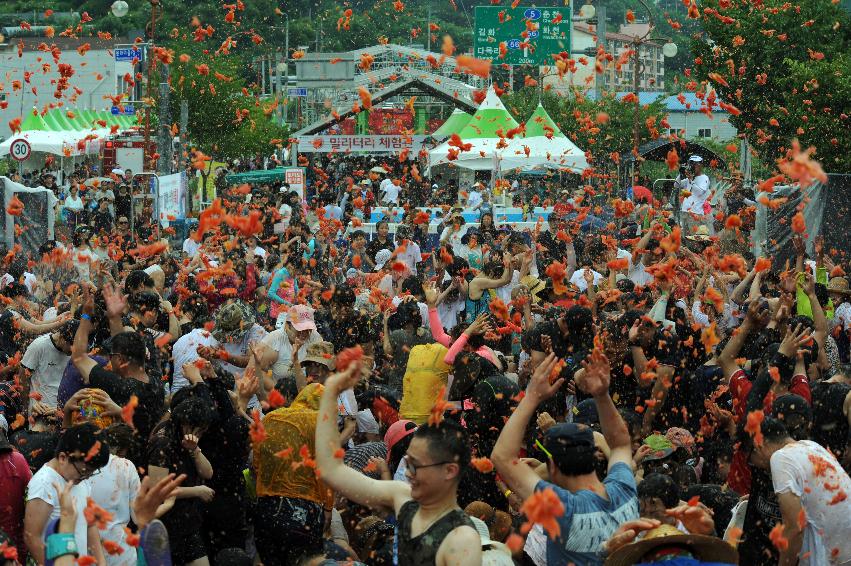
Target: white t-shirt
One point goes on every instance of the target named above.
(474, 199)
(74, 203)
(47, 365)
(185, 351)
(638, 274)
(286, 212)
(794, 469)
(254, 335)
(82, 260)
(578, 279)
(384, 184)
(453, 239)
(411, 256)
(191, 247)
(115, 488)
(842, 315)
(699, 189)
(43, 486)
(391, 193)
(278, 341)
(260, 251)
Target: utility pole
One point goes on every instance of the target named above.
(601, 42)
(164, 139)
(184, 134)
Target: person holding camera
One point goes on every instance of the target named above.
(694, 183)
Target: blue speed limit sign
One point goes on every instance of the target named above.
(532, 14)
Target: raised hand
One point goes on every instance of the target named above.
(153, 494)
(190, 442)
(539, 388)
(597, 375)
(116, 301)
(793, 340)
(431, 294)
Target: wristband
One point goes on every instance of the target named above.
(60, 544)
(85, 316)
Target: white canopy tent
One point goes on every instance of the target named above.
(485, 130)
(64, 143)
(543, 147)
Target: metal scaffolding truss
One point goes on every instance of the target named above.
(409, 83)
(394, 72)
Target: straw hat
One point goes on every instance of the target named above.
(838, 285)
(705, 548)
(701, 234)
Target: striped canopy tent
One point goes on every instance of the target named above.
(484, 131)
(454, 124)
(67, 132)
(543, 147)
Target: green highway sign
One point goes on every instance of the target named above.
(521, 35)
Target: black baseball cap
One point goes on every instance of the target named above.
(565, 436)
(790, 404)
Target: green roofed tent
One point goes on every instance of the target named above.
(540, 124)
(544, 146)
(454, 124)
(483, 132)
(34, 121)
(57, 133)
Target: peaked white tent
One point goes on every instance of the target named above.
(485, 130)
(543, 147)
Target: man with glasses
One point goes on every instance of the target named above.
(432, 528)
(79, 455)
(593, 509)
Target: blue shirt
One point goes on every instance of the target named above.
(589, 520)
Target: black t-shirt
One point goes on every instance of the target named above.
(8, 345)
(374, 246)
(151, 397)
(830, 425)
(762, 514)
(349, 332)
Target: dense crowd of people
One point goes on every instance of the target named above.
(623, 383)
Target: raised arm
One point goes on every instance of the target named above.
(387, 495)
(594, 379)
(80, 348)
(437, 332)
(518, 476)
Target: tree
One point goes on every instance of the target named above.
(604, 128)
(786, 68)
(226, 120)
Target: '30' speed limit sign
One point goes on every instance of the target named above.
(20, 150)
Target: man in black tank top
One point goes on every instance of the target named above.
(432, 528)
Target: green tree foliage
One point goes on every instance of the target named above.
(225, 119)
(787, 68)
(602, 127)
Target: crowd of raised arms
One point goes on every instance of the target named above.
(616, 382)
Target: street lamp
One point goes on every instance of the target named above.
(119, 8)
(587, 11)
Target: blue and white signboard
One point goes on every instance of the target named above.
(297, 91)
(128, 54)
(125, 110)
